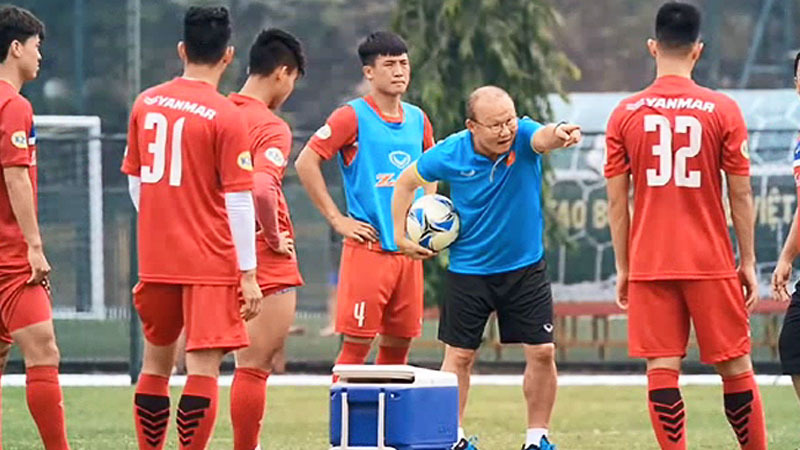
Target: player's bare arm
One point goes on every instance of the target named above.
(554, 136)
(402, 198)
(265, 196)
(309, 170)
(743, 214)
(619, 223)
(20, 193)
(783, 269)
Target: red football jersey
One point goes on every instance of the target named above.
(270, 145)
(675, 138)
(17, 148)
(340, 132)
(189, 145)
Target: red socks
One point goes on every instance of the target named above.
(744, 411)
(197, 412)
(353, 353)
(248, 400)
(667, 413)
(151, 411)
(392, 355)
(46, 405)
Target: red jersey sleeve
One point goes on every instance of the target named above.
(131, 163)
(234, 161)
(428, 140)
(16, 121)
(339, 132)
(271, 148)
(735, 150)
(616, 160)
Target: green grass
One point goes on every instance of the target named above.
(297, 419)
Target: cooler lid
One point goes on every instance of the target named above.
(392, 374)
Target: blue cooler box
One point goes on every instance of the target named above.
(393, 407)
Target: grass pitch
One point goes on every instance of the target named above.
(297, 419)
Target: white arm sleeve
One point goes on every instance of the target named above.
(134, 189)
(242, 220)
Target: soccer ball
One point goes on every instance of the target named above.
(432, 222)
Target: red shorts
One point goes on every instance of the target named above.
(275, 272)
(659, 313)
(21, 304)
(209, 313)
(379, 292)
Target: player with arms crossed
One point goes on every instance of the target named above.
(674, 260)
(789, 342)
(276, 62)
(497, 264)
(190, 173)
(26, 317)
(375, 138)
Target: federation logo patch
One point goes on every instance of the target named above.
(324, 132)
(745, 149)
(20, 140)
(400, 159)
(245, 161)
(275, 156)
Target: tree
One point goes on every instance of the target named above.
(458, 45)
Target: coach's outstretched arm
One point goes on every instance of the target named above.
(740, 195)
(309, 170)
(402, 198)
(556, 135)
(619, 222)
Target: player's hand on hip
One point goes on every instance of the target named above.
(568, 134)
(780, 279)
(747, 275)
(40, 268)
(622, 290)
(251, 294)
(355, 229)
(285, 244)
(413, 250)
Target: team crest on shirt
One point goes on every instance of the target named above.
(245, 161)
(400, 159)
(745, 149)
(324, 132)
(19, 139)
(275, 156)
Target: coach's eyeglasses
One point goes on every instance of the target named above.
(497, 128)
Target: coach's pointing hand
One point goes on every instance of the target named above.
(568, 134)
(251, 294)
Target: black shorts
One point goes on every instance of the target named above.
(522, 298)
(789, 342)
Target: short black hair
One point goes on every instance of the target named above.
(206, 32)
(274, 48)
(796, 62)
(17, 24)
(381, 43)
(677, 25)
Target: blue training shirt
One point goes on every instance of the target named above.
(499, 202)
(384, 150)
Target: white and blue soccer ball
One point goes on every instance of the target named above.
(432, 222)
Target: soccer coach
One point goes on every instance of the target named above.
(494, 169)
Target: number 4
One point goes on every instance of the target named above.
(154, 173)
(662, 175)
